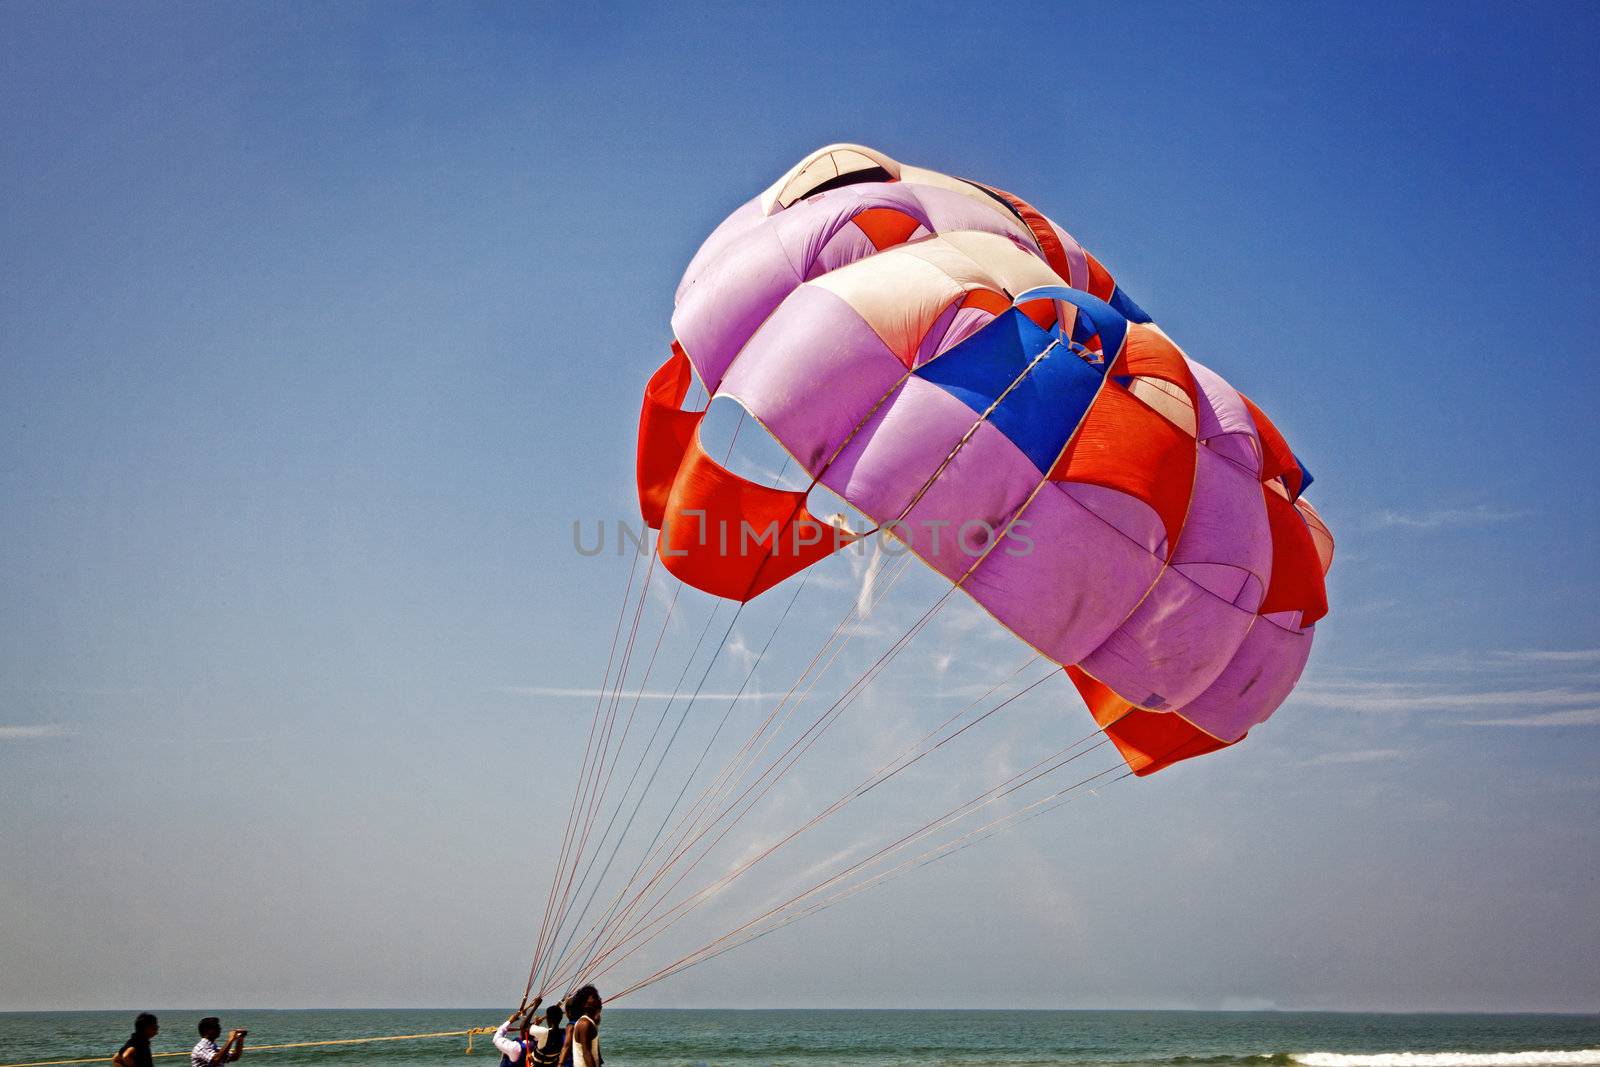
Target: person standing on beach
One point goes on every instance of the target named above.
(583, 1036)
(135, 1052)
(207, 1054)
(514, 1050)
(547, 1053)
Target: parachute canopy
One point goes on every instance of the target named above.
(961, 371)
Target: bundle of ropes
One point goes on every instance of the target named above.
(579, 943)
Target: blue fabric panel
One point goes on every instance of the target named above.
(1305, 477)
(1124, 304)
(1042, 409)
(1107, 321)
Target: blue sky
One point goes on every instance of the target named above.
(322, 324)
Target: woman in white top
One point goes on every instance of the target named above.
(583, 1008)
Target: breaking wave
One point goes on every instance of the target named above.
(1578, 1058)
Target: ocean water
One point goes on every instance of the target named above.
(650, 1038)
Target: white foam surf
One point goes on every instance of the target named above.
(1552, 1058)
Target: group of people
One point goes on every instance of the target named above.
(543, 1041)
(135, 1052)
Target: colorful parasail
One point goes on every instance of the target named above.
(961, 371)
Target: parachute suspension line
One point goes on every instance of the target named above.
(847, 699)
(667, 748)
(748, 754)
(851, 694)
(769, 777)
(592, 935)
(622, 612)
(559, 914)
(563, 957)
(678, 850)
(1027, 776)
(973, 837)
(675, 834)
(564, 907)
(888, 770)
(644, 753)
(831, 715)
(1033, 810)
(590, 783)
(586, 785)
(911, 754)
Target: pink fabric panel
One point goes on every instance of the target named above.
(724, 306)
(1062, 582)
(807, 227)
(813, 374)
(1129, 516)
(1224, 422)
(742, 221)
(1068, 591)
(932, 340)
(963, 324)
(1226, 525)
(1172, 647)
(1185, 632)
(846, 246)
(947, 210)
(751, 262)
(1257, 680)
(1077, 260)
(883, 469)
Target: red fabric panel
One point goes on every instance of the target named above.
(1321, 536)
(1043, 233)
(664, 434)
(886, 227)
(734, 538)
(1042, 312)
(1277, 459)
(1147, 740)
(1147, 353)
(1124, 444)
(1101, 283)
(987, 300)
(1296, 566)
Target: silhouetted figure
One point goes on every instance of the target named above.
(135, 1052)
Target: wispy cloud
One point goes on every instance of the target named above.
(591, 694)
(1549, 662)
(1364, 755)
(33, 733)
(1415, 696)
(1561, 656)
(1444, 518)
(869, 581)
(1570, 717)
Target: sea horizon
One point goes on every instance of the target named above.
(856, 1037)
(850, 1008)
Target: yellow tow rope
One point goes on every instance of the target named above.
(468, 1034)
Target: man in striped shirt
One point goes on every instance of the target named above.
(207, 1054)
